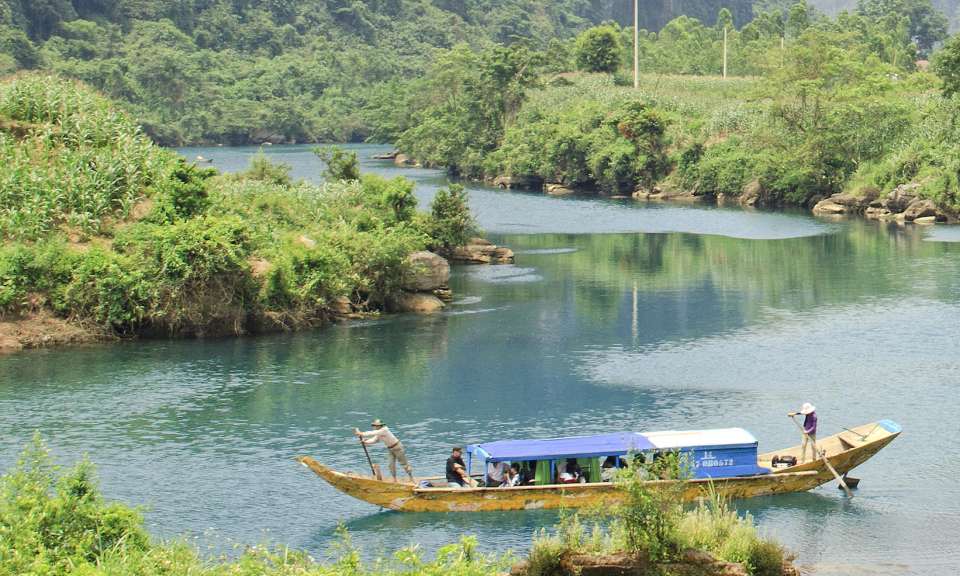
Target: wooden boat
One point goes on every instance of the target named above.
(202, 159)
(726, 459)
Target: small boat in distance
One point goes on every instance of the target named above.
(726, 459)
(202, 159)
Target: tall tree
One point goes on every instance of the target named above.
(598, 50)
(928, 26)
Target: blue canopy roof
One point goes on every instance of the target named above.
(552, 448)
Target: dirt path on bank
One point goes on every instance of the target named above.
(43, 329)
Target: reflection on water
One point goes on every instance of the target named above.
(733, 323)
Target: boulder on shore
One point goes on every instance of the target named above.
(752, 193)
(404, 160)
(430, 271)
(902, 196)
(923, 209)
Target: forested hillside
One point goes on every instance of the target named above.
(653, 15)
(247, 71)
(236, 71)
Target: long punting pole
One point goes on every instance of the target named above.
(636, 48)
(367, 452)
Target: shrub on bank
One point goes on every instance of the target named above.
(55, 524)
(651, 521)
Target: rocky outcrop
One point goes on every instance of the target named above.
(922, 209)
(901, 197)
(752, 193)
(517, 183)
(692, 562)
(903, 204)
(556, 188)
(669, 190)
(404, 160)
(479, 251)
(426, 283)
(266, 137)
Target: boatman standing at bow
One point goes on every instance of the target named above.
(809, 431)
(394, 449)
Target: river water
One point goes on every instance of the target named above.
(616, 315)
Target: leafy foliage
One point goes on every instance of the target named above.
(598, 50)
(450, 222)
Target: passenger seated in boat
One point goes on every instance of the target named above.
(457, 474)
(512, 477)
(606, 469)
(496, 472)
(529, 476)
(572, 474)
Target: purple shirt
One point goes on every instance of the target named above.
(810, 423)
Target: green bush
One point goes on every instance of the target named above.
(651, 512)
(53, 523)
(449, 224)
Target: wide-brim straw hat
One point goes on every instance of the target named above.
(807, 409)
(379, 422)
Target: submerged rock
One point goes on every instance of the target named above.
(415, 302)
(480, 251)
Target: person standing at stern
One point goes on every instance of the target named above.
(394, 449)
(809, 431)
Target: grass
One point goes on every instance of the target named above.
(56, 523)
(71, 159)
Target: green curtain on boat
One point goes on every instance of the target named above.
(543, 473)
(593, 470)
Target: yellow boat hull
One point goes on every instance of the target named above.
(844, 451)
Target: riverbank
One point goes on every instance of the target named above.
(798, 130)
(57, 522)
(104, 235)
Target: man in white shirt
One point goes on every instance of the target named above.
(381, 433)
(496, 473)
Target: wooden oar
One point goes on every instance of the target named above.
(367, 452)
(823, 456)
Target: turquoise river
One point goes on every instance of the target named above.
(616, 315)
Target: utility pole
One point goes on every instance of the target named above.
(724, 52)
(636, 47)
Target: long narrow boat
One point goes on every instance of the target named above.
(727, 459)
